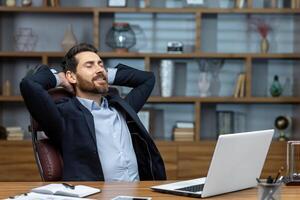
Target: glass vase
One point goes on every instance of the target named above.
(204, 84)
(276, 88)
(264, 45)
(166, 73)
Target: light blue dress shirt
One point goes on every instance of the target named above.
(113, 139)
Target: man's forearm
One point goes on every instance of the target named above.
(131, 77)
(43, 77)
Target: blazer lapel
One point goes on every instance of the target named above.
(88, 119)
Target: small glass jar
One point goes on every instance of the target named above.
(121, 37)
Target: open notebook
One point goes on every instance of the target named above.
(66, 190)
(59, 191)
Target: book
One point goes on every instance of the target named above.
(182, 124)
(37, 196)
(239, 90)
(242, 88)
(225, 122)
(237, 86)
(65, 190)
(183, 134)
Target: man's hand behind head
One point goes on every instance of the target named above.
(65, 83)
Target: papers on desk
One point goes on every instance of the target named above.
(37, 196)
(59, 191)
(66, 190)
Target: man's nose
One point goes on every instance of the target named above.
(100, 68)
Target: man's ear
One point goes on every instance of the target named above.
(71, 77)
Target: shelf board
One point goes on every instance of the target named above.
(43, 9)
(277, 100)
(202, 10)
(157, 55)
(20, 54)
(275, 55)
(158, 99)
(11, 98)
(182, 99)
(249, 10)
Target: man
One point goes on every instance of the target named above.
(98, 133)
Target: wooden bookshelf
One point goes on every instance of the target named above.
(183, 159)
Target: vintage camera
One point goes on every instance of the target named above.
(175, 47)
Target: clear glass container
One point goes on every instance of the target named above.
(293, 161)
(121, 37)
(269, 191)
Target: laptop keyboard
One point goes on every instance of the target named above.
(193, 188)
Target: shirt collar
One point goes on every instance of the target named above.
(92, 105)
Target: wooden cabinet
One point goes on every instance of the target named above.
(183, 160)
(208, 33)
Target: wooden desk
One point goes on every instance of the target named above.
(110, 190)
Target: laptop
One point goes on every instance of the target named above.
(237, 161)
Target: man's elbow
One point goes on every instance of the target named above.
(151, 79)
(23, 85)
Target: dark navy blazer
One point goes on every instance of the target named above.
(71, 127)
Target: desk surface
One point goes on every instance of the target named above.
(110, 190)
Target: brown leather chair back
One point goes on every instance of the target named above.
(47, 156)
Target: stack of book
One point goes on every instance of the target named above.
(240, 86)
(225, 122)
(14, 133)
(184, 131)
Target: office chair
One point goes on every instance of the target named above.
(47, 156)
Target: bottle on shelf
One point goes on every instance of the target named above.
(6, 90)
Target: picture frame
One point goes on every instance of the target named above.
(116, 3)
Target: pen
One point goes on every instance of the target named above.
(278, 174)
(257, 179)
(68, 186)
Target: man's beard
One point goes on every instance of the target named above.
(90, 87)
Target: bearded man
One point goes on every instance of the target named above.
(98, 132)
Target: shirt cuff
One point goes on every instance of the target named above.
(58, 81)
(111, 75)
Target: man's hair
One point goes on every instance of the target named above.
(69, 62)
